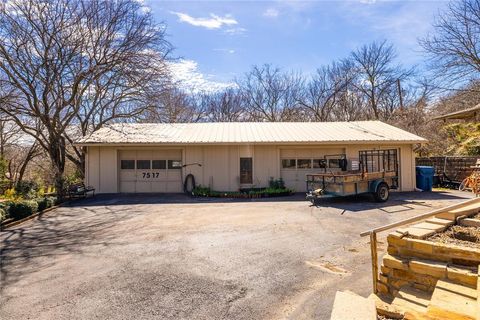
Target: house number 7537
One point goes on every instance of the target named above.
(148, 175)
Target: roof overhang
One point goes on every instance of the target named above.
(460, 115)
(277, 143)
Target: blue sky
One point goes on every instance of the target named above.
(220, 40)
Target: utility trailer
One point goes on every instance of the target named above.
(374, 172)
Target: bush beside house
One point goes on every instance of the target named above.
(276, 189)
(25, 199)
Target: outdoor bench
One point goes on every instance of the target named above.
(79, 190)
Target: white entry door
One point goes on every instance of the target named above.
(150, 171)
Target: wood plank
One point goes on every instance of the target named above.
(353, 307)
(411, 299)
(443, 222)
(453, 300)
(467, 222)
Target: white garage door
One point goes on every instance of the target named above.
(295, 164)
(150, 171)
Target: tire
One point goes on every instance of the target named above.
(463, 185)
(382, 193)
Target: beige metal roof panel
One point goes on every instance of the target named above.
(250, 132)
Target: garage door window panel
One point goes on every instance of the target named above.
(127, 164)
(143, 164)
(174, 164)
(304, 163)
(289, 163)
(159, 164)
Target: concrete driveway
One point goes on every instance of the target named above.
(173, 257)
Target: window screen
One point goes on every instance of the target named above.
(174, 164)
(246, 170)
(127, 164)
(159, 164)
(304, 163)
(143, 164)
(288, 163)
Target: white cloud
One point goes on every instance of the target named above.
(271, 13)
(213, 22)
(368, 1)
(190, 78)
(235, 31)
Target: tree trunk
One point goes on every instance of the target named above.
(30, 155)
(57, 156)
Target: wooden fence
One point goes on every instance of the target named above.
(455, 168)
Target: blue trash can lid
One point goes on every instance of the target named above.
(425, 169)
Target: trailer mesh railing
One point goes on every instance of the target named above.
(378, 160)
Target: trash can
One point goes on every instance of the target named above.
(425, 177)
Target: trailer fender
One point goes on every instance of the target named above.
(373, 185)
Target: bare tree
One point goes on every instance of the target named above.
(377, 75)
(16, 149)
(74, 65)
(454, 45)
(351, 106)
(269, 94)
(9, 134)
(224, 106)
(321, 95)
(175, 105)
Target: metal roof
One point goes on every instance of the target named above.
(249, 132)
(462, 114)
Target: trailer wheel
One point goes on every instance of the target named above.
(382, 193)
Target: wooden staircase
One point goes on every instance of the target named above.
(422, 279)
(449, 300)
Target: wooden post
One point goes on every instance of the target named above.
(373, 248)
(399, 87)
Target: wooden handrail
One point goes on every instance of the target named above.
(421, 216)
(373, 232)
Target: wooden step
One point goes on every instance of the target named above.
(453, 301)
(466, 210)
(443, 222)
(411, 299)
(385, 307)
(422, 230)
(350, 306)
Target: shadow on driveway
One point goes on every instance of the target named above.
(55, 234)
(351, 203)
(67, 231)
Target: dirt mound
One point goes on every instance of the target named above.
(459, 235)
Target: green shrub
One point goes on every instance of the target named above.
(244, 193)
(3, 215)
(201, 191)
(53, 201)
(21, 209)
(4, 185)
(26, 189)
(41, 203)
(276, 183)
(46, 202)
(10, 194)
